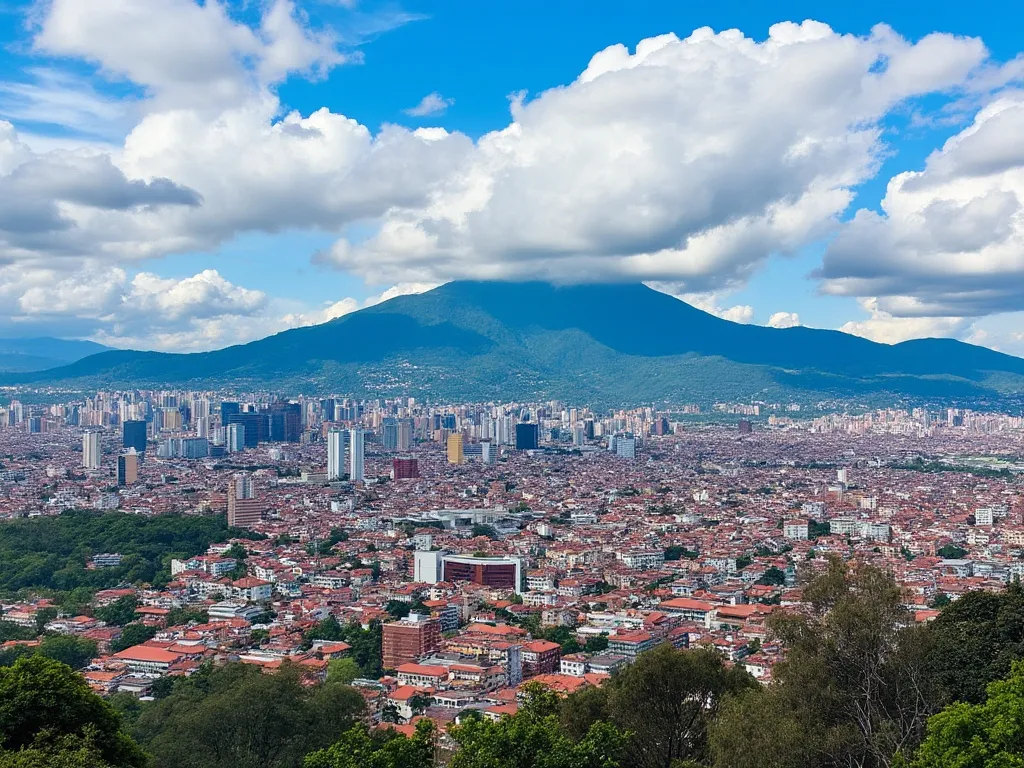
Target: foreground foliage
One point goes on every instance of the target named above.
(988, 735)
(50, 717)
(239, 717)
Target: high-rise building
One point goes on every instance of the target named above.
(236, 438)
(128, 467)
(405, 468)
(455, 449)
(488, 452)
(227, 410)
(244, 509)
(91, 449)
(252, 424)
(172, 419)
(526, 436)
(284, 422)
(625, 446)
(335, 454)
(389, 434)
(133, 435)
(745, 427)
(409, 640)
(356, 448)
(405, 430)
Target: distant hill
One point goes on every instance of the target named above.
(601, 344)
(19, 355)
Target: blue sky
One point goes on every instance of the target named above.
(155, 243)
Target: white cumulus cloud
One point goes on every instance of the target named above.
(784, 320)
(688, 160)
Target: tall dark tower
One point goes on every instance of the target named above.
(526, 436)
(133, 435)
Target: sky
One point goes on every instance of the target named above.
(183, 175)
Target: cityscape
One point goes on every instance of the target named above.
(576, 384)
(491, 546)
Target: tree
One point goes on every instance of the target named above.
(238, 717)
(56, 752)
(852, 690)
(596, 644)
(419, 703)
(179, 616)
(45, 705)
(772, 577)
(360, 748)
(666, 700)
(488, 531)
(119, 612)
(76, 652)
(43, 617)
(951, 552)
(133, 634)
(989, 735)
(974, 641)
(397, 608)
(342, 671)
(11, 631)
(534, 738)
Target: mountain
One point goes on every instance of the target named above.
(43, 352)
(601, 344)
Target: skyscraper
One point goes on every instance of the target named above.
(236, 438)
(335, 454)
(227, 410)
(405, 429)
(127, 467)
(244, 509)
(625, 446)
(488, 452)
(251, 423)
(91, 449)
(526, 436)
(356, 447)
(133, 435)
(455, 448)
(389, 434)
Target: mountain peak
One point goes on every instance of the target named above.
(610, 343)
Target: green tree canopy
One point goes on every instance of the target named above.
(852, 690)
(974, 641)
(534, 738)
(46, 707)
(667, 699)
(119, 612)
(238, 717)
(988, 735)
(383, 748)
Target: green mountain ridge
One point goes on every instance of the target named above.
(41, 353)
(608, 344)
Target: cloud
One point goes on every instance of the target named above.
(950, 239)
(889, 329)
(685, 161)
(784, 320)
(708, 302)
(431, 104)
(183, 53)
(145, 311)
(127, 310)
(688, 161)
